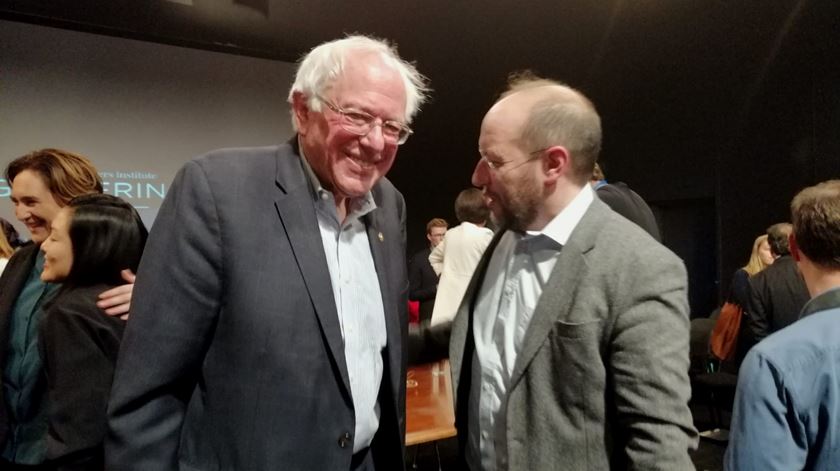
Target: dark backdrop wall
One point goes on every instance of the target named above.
(729, 105)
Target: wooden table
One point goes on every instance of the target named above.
(429, 407)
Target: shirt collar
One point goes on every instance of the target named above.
(358, 207)
(561, 226)
(826, 300)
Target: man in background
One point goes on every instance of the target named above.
(570, 349)
(274, 282)
(777, 293)
(787, 404)
(626, 202)
(456, 257)
(422, 279)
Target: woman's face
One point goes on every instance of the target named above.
(58, 251)
(764, 253)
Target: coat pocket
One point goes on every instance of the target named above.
(576, 330)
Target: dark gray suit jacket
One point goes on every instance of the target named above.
(601, 381)
(233, 357)
(777, 295)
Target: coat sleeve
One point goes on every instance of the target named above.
(174, 310)
(436, 257)
(78, 352)
(648, 362)
(758, 326)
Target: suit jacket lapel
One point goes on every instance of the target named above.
(294, 202)
(557, 298)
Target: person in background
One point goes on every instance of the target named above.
(6, 251)
(787, 403)
(626, 202)
(760, 258)
(91, 241)
(280, 275)
(777, 293)
(422, 279)
(11, 234)
(42, 182)
(455, 258)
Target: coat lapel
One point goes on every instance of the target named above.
(296, 209)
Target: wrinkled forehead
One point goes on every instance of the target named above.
(28, 182)
(366, 68)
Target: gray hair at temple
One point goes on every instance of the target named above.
(325, 63)
(565, 117)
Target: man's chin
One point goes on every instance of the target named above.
(355, 188)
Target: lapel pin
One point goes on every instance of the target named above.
(381, 237)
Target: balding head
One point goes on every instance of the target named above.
(550, 114)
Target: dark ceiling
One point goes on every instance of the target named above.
(681, 84)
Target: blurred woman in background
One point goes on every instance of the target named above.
(760, 258)
(6, 251)
(92, 239)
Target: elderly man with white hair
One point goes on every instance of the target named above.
(275, 290)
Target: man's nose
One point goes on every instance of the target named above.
(21, 212)
(479, 176)
(374, 140)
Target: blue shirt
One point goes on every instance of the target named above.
(24, 385)
(787, 405)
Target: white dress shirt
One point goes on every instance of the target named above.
(518, 271)
(358, 300)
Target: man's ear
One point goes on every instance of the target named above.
(794, 248)
(557, 162)
(301, 110)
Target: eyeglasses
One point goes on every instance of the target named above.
(361, 123)
(498, 165)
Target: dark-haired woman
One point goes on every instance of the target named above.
(92, 239)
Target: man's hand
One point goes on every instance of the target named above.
(117, 301)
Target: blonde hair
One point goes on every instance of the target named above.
(6, 249)
(756, 264)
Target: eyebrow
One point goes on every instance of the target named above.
(359, 108)
(24, 199)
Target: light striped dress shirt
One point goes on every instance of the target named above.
(358, 301)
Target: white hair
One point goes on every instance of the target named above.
(323, 64)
